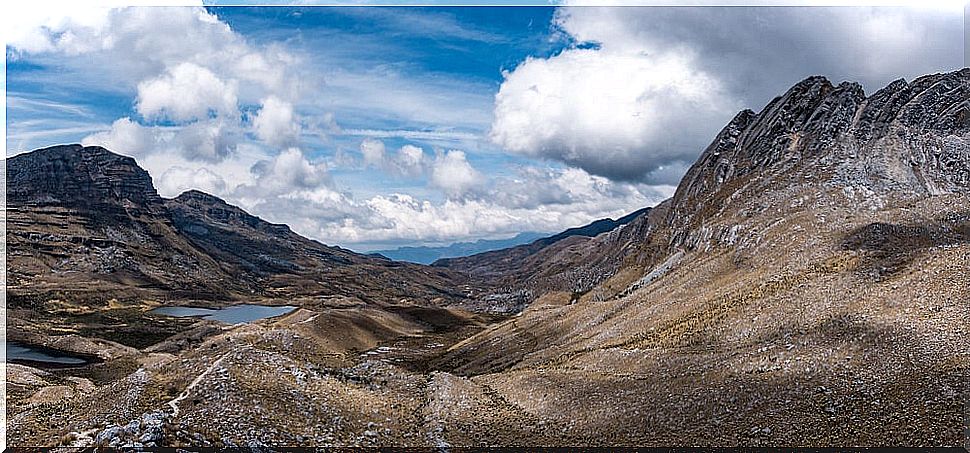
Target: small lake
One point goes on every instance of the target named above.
(230, 315)
(28, 353)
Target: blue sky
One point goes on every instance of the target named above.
(376, 127)
(454, 54)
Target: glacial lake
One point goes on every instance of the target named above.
(29, 353)
(230, 315)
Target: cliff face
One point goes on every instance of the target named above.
(81, 177)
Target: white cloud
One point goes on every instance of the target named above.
(323, 212)
(410, 160)
(33, 28)
(649, 87)
(139, 43)
(615, 111)
(177, 179)
(276, 123)
(125, 136)
(184, 66)
(208, 140)
(452, 173)
(186, 92)
(533, 200)
(372, 152)
(288, 171)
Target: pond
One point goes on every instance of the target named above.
(17, 351)
(230, 315)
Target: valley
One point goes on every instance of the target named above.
(808, 284)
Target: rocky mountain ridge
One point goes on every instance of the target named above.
(86, 224)
(807, 284)
(901, 139)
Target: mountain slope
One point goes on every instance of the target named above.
(807, 284)
(86, 225)
(573, 260)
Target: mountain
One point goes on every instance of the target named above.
(807, 284)
(428, 255)
(594, 229)
(86, 225)
(442, 256)
(511, 278)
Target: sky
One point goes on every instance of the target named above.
(376, 127)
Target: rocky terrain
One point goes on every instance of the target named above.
(808, 284)
(508, 280)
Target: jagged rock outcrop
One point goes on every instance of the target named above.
(907, 139)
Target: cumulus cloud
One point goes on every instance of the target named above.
(534, 199)
(452, 173)
(177, 179)
(186, 92)
(751, 49)
(612, 112)
(188, 71)
(410, 160)
(209, 140)
(125, 136)
(276, 123)
(289, 171)
(645, 89)
(139, 43)
(372, 152)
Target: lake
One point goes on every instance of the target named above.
(25, 352)
(230, 315)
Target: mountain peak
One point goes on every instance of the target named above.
(198, 205)
(882, 140)
(200, 198)
(79, 175)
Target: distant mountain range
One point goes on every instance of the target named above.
(428, 255)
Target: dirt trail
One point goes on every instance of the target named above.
(185, 393)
